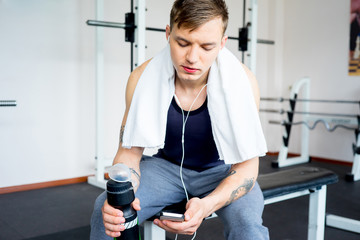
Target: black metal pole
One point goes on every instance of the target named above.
(108, 24)
(244, 25)
(131, 43)
(155, 29)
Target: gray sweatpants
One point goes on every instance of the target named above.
(161, 186)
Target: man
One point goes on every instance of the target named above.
(202, 155)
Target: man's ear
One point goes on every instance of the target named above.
(167, 32)
(223, 41)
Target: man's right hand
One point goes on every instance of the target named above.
(113, 218)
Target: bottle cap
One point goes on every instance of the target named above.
(120, 173)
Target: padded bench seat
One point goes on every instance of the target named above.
(283, 185)
(294, 180)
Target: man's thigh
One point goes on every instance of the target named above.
(160, 186)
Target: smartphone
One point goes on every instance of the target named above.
(176, 217)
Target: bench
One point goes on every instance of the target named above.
(283, 185)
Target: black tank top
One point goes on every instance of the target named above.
(200, 148)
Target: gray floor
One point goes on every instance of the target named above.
(64, 212)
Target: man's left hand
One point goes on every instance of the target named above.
(194, 215)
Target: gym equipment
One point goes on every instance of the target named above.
(282, 111)
(333, 220)
(8, 103)
(349, 122)
(282, 161)
(343, 223)
(281, 186)
(308, 100)
(312, 127)
(132, 29)
(135, 34)
(138, 50)
(332, 121)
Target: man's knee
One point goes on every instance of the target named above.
(243, 223)
(99, 202)
(243, 218)
(97, 226)
(96, 218)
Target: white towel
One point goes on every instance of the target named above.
(234, 117)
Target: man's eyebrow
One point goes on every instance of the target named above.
(209, 44)
(178, 38)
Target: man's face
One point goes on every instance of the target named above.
(193, 52)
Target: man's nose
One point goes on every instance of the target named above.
(192, 55)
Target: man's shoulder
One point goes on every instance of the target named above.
(136, 74)
(134, 78)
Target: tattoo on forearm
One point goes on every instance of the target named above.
(135, 173)
(122, 133)
(245, 187)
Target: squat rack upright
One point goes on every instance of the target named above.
(135, 29)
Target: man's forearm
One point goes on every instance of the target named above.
(239, 181)
(131, 158)
(241, 190)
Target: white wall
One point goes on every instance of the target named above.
(316, 43)
(47, 65)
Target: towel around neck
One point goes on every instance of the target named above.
(234, 117)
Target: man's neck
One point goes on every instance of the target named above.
(190, 86)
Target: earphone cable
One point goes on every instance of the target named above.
(183, 143)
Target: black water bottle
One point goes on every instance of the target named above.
(120, 195)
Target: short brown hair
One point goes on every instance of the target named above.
(193, 13)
